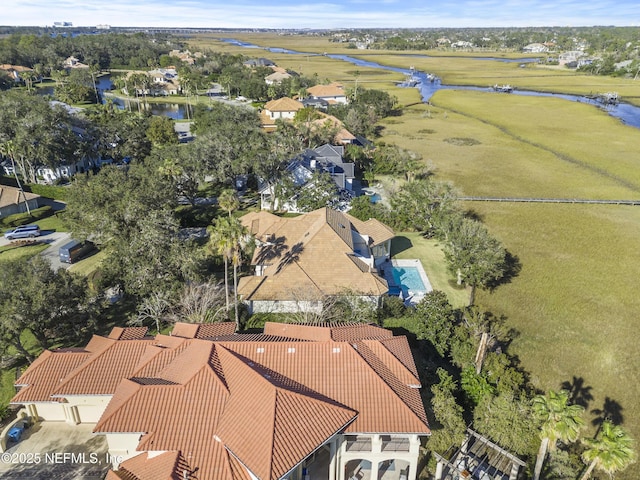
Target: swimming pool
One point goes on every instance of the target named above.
(408, 280)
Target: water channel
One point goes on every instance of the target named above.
(428, 84)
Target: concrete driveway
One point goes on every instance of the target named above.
(56, 451)
(55, 240)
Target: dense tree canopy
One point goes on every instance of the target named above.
(34, 132)
(129, 212)
(52, 304)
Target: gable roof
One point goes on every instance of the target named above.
(312, 381)
(309, 253)
(277, 76)
(13, 196)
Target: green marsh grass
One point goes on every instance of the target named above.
(575, 303)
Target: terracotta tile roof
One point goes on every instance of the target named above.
(102, 371)
(165, 466)
(383, 403)
(45, 374)
(339, 332)
(189, 397)
(285, 426)
(331, 90)
(399, 348)
(128, 333)
(203, 330)
(310, 254)
(284, 104)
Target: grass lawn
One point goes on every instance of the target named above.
(88, 265)
(429, 252)
(53, 223)
(575, 303)
(10, 253)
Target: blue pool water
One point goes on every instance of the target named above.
(406, 279)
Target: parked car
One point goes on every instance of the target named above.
(74, 250)
(23, 231)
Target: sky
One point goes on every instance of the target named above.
(321, 14)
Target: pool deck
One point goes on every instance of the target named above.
(413, 297)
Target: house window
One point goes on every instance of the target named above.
(358, 444)
(394, 444)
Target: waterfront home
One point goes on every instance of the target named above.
(300, 261)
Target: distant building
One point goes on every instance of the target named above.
(73, 63)
(535, 48)
(332, 93)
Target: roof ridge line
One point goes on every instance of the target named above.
(385, 382)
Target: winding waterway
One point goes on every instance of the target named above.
(627, 113)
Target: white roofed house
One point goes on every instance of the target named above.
(164, 81)
(535, 48)
(284, 108)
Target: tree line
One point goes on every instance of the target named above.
(134, 210)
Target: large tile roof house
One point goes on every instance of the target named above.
(333, 93)
(302, 260)
(296, 402)
(284, 108)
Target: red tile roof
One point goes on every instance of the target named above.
(46, 373)
(203, 330)
(230, 406)
(165, 466)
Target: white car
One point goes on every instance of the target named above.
(23, 231)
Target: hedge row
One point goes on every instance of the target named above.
(23, 218)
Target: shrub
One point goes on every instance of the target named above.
(18, 219)
(57, 192)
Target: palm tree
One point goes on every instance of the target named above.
(228, 200)
(560, 421)
(221, 243)
(611, 451)
(230, 239)
(8, 149)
